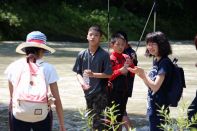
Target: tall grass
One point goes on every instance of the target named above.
(181, 122)
(109, 119)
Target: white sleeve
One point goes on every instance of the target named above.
(50, 74)
(7, 71)
(13, 71)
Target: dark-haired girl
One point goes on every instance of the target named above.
(158, 79)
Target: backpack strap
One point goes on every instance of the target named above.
(19, 78)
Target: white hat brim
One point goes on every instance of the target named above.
(20, 48)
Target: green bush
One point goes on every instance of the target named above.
(109, 118)
(70, 20)
(181, 122)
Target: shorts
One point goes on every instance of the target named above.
(18, 125)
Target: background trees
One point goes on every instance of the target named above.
(68, 20)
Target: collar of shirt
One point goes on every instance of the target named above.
(117, 55)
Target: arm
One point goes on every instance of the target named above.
(89, 73)
(105, 73)
(118, 72)
(82, 82)
(10, 88)
(117, 68)
(132, 65)
(154, 85)
(11, 92)
(58, 104)
(99, 75)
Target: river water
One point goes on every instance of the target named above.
(72, 95)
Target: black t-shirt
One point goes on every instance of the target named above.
(161, 67)
(99, 62)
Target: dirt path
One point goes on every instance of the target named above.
(71, 93)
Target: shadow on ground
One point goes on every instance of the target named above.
(73, 120)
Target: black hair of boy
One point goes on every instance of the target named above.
(96, 28)
(116, 36)
(123, 34)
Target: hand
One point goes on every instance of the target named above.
(85, 87)
(123, 70)
(128, 62)
(51, 101)
(137, 70)
(89, 73)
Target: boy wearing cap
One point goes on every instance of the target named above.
(93, 69)
(34, 48)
